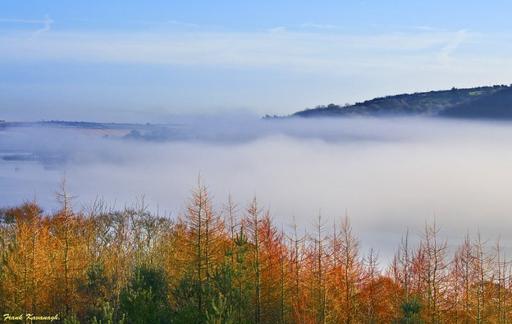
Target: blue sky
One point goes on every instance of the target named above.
(152, 60)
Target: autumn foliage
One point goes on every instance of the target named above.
(233, 265)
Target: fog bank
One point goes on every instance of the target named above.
(387, 174)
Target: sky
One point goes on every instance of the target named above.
(149, 61)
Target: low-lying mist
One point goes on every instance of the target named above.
(386, 174)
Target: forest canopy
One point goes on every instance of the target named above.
(233, 265)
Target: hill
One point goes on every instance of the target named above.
(495, 106)
(480, 102)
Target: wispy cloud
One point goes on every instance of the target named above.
(171, 22)
(278, 29)
(320, 26)
(181, 23)
(428, 57)
(458, 39)
(277, 47)
(46, 23)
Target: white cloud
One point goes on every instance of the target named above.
(320, 26)
(46, 23)
(277, 48)
(181, 23)
(458, 39)
(22, 21)
(278, 29)
(170, 22)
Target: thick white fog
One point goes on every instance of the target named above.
(387, 174)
